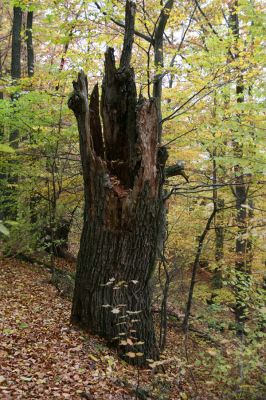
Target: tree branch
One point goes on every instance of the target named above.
(195, 268)
(129, 34)
(158, 50)
(209, 24)
(122, 25)
(176, 169)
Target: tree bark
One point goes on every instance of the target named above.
(159, 55)
(217, 280)
(30, 52)
(16, 43)
(123, 208)
(16, 62)
(123, 178)
(10, 207)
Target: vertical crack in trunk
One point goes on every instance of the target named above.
(118, 109)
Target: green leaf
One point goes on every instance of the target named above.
(23, 325)
(8, 331)
(4, 230)
(5, 148)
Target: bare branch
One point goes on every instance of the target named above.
(122, 25)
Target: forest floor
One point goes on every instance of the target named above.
(42, 356)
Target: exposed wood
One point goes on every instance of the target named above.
(123, 209)
(118, 108)
(123, 213)
(95, 123)
(121, 226)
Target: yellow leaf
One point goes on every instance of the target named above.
(211, 352)
(26, 378)
(92, 357)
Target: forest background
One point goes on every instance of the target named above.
(210, 275)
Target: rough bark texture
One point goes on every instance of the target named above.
(123, 209)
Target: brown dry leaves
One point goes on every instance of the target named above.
(41, 355)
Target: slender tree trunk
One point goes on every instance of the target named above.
(219, 246)
(123, 181)
(33, 202)
(10, 208)
(2, 174)
(196, 267)
(163, 313)
(219, 230)
(16, 62)
(30, 52)
(159, 55)
(16, 43)
(1, 93)
(218, 204)
(242, 247)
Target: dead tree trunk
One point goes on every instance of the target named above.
(123, 208)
